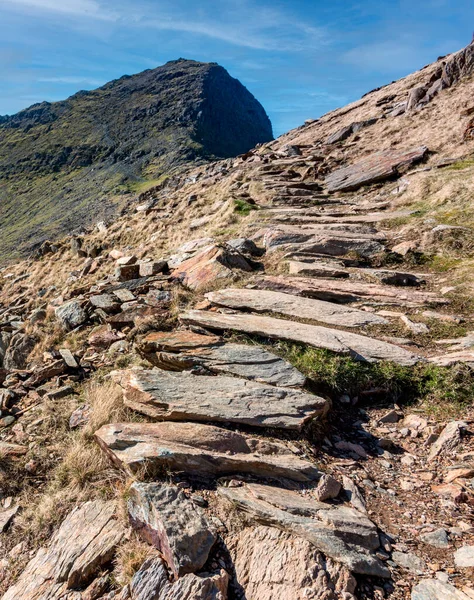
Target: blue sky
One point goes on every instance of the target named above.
(300, 58)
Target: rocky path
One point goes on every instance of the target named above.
(247, 482)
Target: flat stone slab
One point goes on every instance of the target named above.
(165, 518)
(342, 342)
(169, 396)
(317, 268)
(447, 360)
(200, 449)
(334, 290)
(376, 167)
(370, 218)
(341, 533)
(294, 306)
(333, 243)
(185, 350)
(86, 540)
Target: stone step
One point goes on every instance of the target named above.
(326, 268)
(341, 533)
(294, 306)
(351, 206)
(332, 219)
(342, 342)
(330, 245)
(318, 268)
(335, 290)
(340, 228)
(185, 350)
(171, 396)
(198, 449)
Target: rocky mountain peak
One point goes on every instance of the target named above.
(62, 162)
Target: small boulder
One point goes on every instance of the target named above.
(71, 314)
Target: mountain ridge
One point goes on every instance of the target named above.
(61, 161)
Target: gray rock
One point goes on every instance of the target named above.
(437, 539)
(353, 494)
(199, 449)
(464, 557)
(341, 533)
(6, 516)
(342, 342)
(433, 589)
(71, 314)
(165, 518)
(391, 417)
(410, 562)
(21, 346)
(449, 438)
(106, 302)
(294, 306)
(245, 246)
(185, 350)
(151, 582)
(38, 315)
(169, 396)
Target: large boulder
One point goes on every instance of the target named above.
(165, 518)
(212, 264)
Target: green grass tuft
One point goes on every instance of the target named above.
(242, 207)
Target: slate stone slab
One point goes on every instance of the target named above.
(170, 396)
(342, 342)
(342, 533)
(184, 350)
(376, 167)
(199, 449)
(334, 290)
(294, 306)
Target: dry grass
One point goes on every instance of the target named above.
(73, 468)
(130, 557)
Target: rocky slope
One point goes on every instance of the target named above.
(61, 163)
(257, 383)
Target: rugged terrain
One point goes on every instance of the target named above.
(257, 383)
(64, 164)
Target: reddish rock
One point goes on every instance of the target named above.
(211, 264)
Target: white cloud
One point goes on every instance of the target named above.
(77, 8)
(71, 80)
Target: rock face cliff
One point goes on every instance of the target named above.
(58, 162)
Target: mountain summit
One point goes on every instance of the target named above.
(63, 163)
